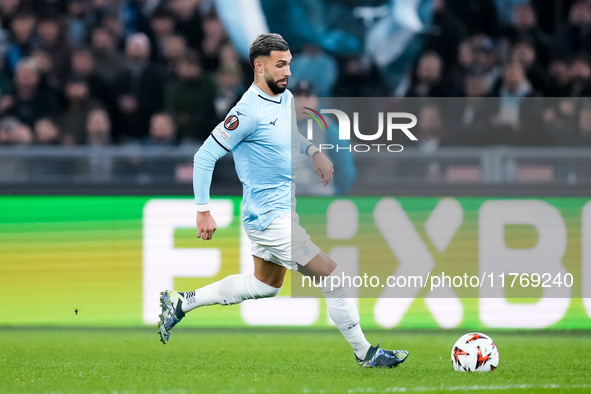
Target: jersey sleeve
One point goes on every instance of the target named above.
(304, 145)
(239, 124)
(204, 162)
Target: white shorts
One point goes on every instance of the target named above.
(275, 243)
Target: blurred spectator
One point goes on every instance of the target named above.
(506, 10)
(5, 78)
(22, 27)
(162, 27)
(22, 135)
(431, 131)
(14, 132)
(213, 40)
(98, 136)
(77, 25)
(559, 72)
(317, 67)
(79, 103)
(52, 40)
(471, 116)
(162, 130)
(44, 64)
(532, 131)
(584, 124)
(474, 86)
(47, 132)
(447, 31)
(83, 66)
(188, 21)
(109, 63)
(112, 22)
(139, 90)
(4, 42)
(29, 102)
(559, 120)
(428, 77)
(514, 88)
(229, 58)
(464, 65)
(135, 16)
(524, 52)
(580, 73)
(514, 83)
(98, 128)
(8, 8)
(228, 91)
(175, 47)
(97, 11)
(550, 39)
(189, 100)
(525, 24)
(480, 16)
(576, 35)
(486, 60)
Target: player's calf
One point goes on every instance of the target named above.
(232, 289)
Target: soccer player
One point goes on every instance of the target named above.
(260, 131)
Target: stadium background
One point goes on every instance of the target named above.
(95, 131)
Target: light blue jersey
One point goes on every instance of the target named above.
(260, 134)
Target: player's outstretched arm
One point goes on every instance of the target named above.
(204, 162)
(323, 167)
(239, 124)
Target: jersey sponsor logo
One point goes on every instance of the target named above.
(231, 122)
(273, 122)
(224, 135)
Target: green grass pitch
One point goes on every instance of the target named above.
(54, 360)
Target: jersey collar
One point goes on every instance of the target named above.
(264, 96)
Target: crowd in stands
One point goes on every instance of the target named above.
(523, 82)
(164, 72)
(100, 72)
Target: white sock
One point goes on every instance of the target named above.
(345, 315)
(232, 289)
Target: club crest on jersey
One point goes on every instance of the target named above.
(231, 122)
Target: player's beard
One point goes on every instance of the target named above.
(274, 85)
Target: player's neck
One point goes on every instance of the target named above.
(261, 84)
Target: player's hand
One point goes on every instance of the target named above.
(323, 167)
(206, 226)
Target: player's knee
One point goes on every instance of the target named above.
(330, 267)
(319, 267)
(327, 268)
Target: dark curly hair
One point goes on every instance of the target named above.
(264, 44)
